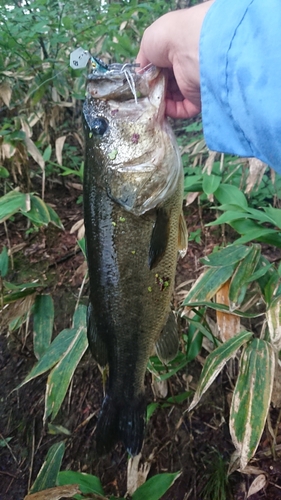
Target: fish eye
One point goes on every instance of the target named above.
(98, 126)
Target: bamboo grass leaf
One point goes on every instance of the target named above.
(251, 398)
(38, 212)
(11, 203)
(273, 316)
(43, 320)
(223, 308)
(242, 274)
(59, 346)
(4, 262)
(87, 482)
(55, 351)
(208, 284)
(48, 473)
(156, 486)
(61, 375)
(215, 363)
(227, 256)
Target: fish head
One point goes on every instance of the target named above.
(134, 150)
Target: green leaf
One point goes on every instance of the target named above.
(4, 262)
(54, 218)
(223, 308)
(13, 297)
(47, 153)
(261, 271)
(195, 339)
(58, 429)
(269, 214)
(227, 256)
(79, 317)
(4, 442)
(274, 214)
(210, 183)
(230, 207)
(241, 276)
(11, 203)
(255, 234)
(82, 244)
(215, 363)
(55, 351)
(251, 398)
(196, 325)
(228, 217)
(208, 284)
(179, 398)
(38, 212)
(243, 226)
(48, 473)
(59, 346)
(227, 193)
(151, 408)
(163, 372)
(4, 173)
(190, 180)
(22, 286)
(273, 316)
(43, 321)
(155, 487)
(87, 483)
(61, 375)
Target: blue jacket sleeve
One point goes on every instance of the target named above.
(240, 65)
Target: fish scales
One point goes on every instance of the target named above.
(132, 234)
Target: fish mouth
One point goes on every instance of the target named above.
(121, 84)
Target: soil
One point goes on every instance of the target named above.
(194, 443)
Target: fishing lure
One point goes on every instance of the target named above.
(80, 57)
(98, 65)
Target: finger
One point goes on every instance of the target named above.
(142, 59)
(181, 109)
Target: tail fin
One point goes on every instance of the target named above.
(121, 421)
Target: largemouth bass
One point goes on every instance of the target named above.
(133, 183)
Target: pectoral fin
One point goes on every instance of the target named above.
(97, 345)
(168, 343)
(183, 236)
(159, 238)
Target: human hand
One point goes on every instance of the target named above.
(172, 42)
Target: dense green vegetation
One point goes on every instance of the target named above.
(41, 140)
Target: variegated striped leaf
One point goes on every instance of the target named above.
(215, 363)
(251, 398)
(208, 284)
(273, 316)
(242, 274)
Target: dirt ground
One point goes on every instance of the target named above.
(196, 443)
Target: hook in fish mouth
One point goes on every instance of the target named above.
(115, 72)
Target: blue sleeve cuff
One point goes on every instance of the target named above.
(240, 66)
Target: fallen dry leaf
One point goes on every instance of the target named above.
(67, 491)
(257, 485)
(137, 473)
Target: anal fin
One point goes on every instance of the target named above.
(168, 343)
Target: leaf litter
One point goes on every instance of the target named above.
(175, 440)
